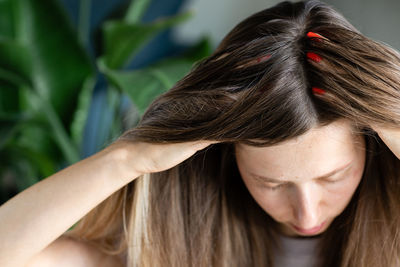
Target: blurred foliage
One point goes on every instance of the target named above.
(47, 80)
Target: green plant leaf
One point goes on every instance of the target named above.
(21, 167)
(122, 41)
(6, 19)
(114, 103)
(200, 50)
(82, 111)
(51, 127)
(45, 164)
(9, 124)
(41, 57)
(60, 63)
(15, 63)
(44, 143)
(84, 21)
(144, 85)
(9, 98)
(136, 10)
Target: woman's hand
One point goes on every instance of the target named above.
(142, 157)
(391, 137)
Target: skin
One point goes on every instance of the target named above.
(302, 200)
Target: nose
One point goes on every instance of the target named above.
(306, 205)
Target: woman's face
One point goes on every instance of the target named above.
(304, 183)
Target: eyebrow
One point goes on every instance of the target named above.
(272, 180)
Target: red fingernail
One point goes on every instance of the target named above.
(314, 56)
(316, 35)
(318, 91)
(263, 58)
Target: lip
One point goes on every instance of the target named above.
(309, 231)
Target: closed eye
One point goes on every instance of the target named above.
(276, 187)
(332, 181)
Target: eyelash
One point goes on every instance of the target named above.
(332, 182)
(275, 187)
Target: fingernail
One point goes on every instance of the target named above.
(316, 35)
(318, 91)
(314, 57)
(263, 58)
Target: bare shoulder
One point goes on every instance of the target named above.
(68, 252)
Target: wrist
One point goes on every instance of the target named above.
(122, 155)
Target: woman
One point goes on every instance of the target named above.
(280, 149)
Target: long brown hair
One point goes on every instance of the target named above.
(200, 213)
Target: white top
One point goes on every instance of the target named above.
(297, 252)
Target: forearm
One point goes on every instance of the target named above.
(40, 214)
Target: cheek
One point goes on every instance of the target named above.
(276, 205)
(341, 195)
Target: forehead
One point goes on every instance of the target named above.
(318, 151)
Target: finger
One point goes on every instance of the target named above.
(391, 137)
(204, 143)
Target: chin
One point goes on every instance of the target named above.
(291, 230)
